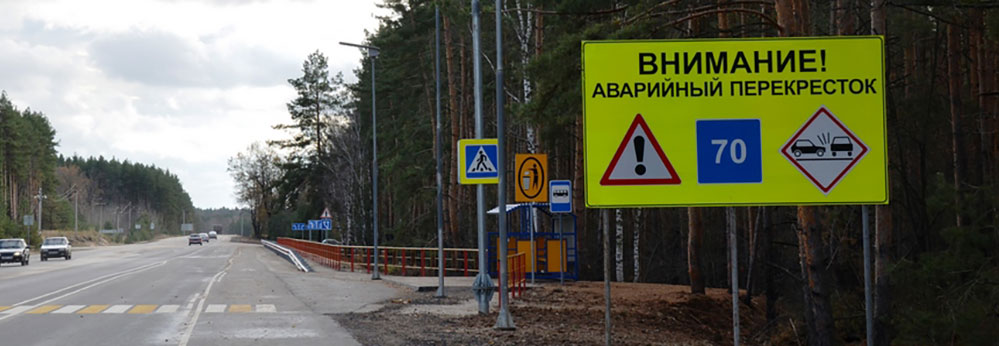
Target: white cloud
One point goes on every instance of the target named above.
(180, 84)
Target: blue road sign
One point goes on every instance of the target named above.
(477, 161)
(298, 226)
(320, 225)
(560, 196)
(729, 151)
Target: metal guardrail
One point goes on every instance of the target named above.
(293, 257)
(405, 261)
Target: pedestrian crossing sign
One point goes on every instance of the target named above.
(477, 161)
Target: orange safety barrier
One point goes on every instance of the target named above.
(517, 274)
(394, 260)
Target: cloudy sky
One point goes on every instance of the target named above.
(181, 84)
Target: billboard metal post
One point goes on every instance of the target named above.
(733, 246)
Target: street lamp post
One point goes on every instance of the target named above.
(40, 197)
(372, 53)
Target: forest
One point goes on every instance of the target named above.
(935, 257)
(79, 193)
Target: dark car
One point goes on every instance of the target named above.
(841, 144)
(804, 146)
(56, 247)
(194, 239)
(14, 251)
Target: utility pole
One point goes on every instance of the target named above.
(40, 197)
(483, 285)
(76, 211)
(504, 321)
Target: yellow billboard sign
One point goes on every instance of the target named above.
(719, 122)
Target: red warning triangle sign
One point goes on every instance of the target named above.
(640, 160)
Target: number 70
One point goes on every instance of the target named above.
(737, 150)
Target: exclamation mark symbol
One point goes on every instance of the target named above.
(639, 143)
(822, 57)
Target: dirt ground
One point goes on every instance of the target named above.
(642, 314)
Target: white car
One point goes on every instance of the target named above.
(204, 237)
(56, 247)
(213, 235)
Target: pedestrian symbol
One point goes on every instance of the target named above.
(639, 160)
(481, 163)
(477, 159)
(824, 150)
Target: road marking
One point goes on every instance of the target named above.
(167, 309)
(3, 308)
(68, 309)
(44, 309)
(18, 309)
(215, 308)
(123, 272)
(240, 308)
(184, 338)
(142, 309)
(95, 282)
(266, 308)
(93, 309)
(117, 309)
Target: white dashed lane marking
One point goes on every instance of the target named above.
(167, 309)
(117, 309)
(68, 309)
(214, 308)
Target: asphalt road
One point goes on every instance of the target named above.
(169, 293)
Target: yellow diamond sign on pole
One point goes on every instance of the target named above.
(723, 122)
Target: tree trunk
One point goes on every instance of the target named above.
(635, 251)
(792, 16)
(453, 114)
(882, 226)
(695, 237)
(956, 128)
(814, 260)
(619, 245)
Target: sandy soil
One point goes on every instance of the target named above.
(642, 314)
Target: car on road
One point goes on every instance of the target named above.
(213, 235)
(331, 241)
(805, 146)
(194, 239)
(204, 237)
(56, 247)
(14, 251)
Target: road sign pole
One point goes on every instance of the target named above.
(605, 221)
(374, 169)
(868, 299)
(440, 180)
(734, 260)
(483, 286)
(561, 251)
(504, 321)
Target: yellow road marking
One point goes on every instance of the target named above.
(143, 309)
(93, 309)
(240, 308)
(44, 309)
(2, 308)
